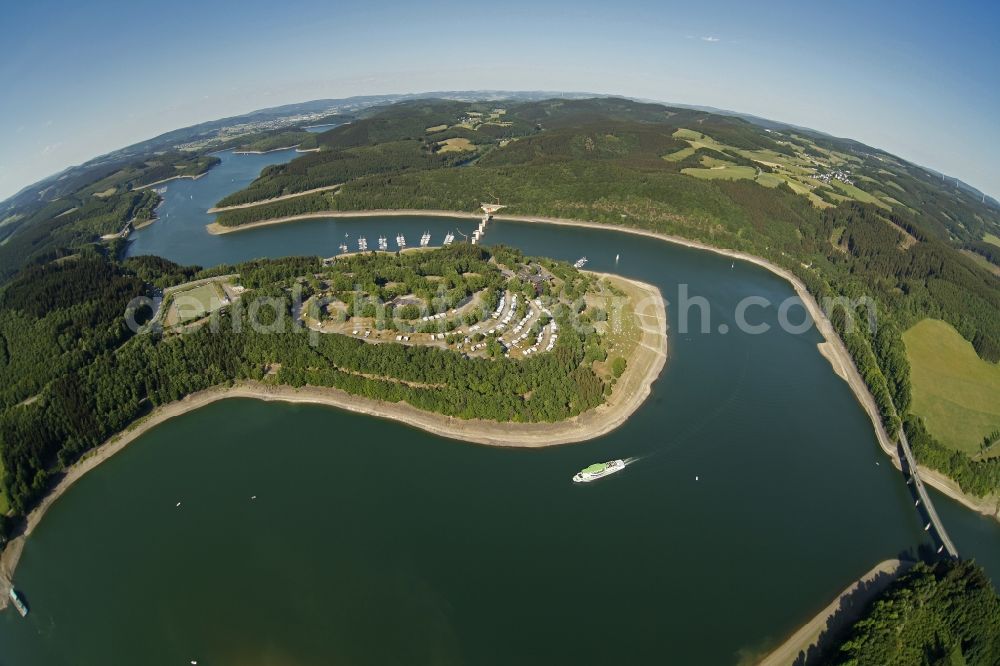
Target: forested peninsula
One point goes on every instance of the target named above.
(490, 336)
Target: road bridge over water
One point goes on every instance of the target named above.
(909, 465)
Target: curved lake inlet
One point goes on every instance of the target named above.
(307, 535)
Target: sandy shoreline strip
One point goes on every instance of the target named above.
(644, 366)
(833, 349)
(264, 202)
(167, 180)
(217, 229)
(876, 580)
(263, 152)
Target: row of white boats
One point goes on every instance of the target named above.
(383, 242)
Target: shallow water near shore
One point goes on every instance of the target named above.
(370, 542)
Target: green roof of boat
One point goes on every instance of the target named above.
(595, 468)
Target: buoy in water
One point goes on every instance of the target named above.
(696, 478)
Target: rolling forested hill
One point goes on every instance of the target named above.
(849, 219)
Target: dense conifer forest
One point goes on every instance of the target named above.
(946, 613)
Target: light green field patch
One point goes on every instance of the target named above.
(798, 186)
(723, 173)
(817, 201)
(892, 183)
(455, 146)
(715, 163)
(856, 193)
(795, 165)
(954, 390)
(436, 128)
(680, 155)
(982, 262)
(699, 140)
(836, 238)
(770, 179)
(4, 502)
(843, 158)
(993, 240)
(194, 303)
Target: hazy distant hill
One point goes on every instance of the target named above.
(62, 209)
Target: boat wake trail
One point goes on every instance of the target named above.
(696, 428)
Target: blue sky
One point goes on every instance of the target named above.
(920, 79)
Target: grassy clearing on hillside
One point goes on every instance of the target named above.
(192, 304)
(680, 155)
(770, 180)
(982, 262)
(856, 193)
(722, 173)
(4, 502)
(455, 146)
(990, 238)
(956, 392)
(699, 140)
(794, 170)
(436, 128)
(837, 237)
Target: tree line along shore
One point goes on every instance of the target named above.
(895, 233)
(846, 219)
(853, 356)
(901, 613)
(84, 402)
(876, 227)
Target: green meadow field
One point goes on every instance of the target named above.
(193, 303)
(954, 391)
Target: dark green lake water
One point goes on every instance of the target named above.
(374, 543)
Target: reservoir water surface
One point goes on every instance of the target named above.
(760, 492)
